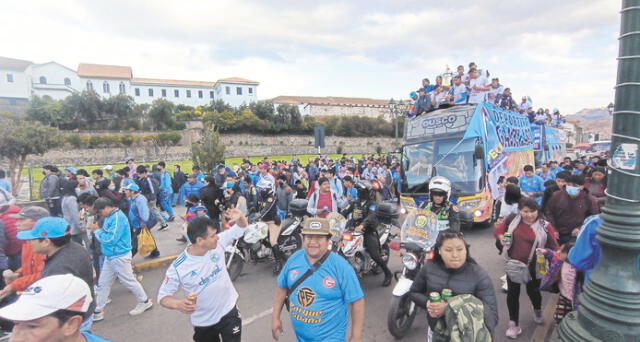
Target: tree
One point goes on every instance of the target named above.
(48, 111)
(209, 150)
(163, 141)
(219, 106)
(161, 114)
(85, 108)
(19, 139)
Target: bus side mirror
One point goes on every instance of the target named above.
(478, 153)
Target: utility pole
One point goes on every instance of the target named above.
(610, 304)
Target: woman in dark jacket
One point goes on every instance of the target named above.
(453, 268)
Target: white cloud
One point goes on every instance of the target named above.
(562, 53)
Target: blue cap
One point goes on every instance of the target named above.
(71, 169)
(132, 186)
(46, 228)
(413, 94)
(227, 185)
(199, 207)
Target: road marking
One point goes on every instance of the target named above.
(254, 318)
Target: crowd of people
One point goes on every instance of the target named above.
(472, 87)
(92, 221)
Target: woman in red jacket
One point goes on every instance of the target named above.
(528, 232)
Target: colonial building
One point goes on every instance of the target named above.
(21, 79)
(349, 106)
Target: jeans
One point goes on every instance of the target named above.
(165, 203)
(282, 214)
(14, 261)
(153, 210)
(176, 198)
(513, 296)
(120, 267)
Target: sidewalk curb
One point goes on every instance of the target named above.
(154, 263)
(543, 332)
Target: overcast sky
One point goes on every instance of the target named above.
(560, 53)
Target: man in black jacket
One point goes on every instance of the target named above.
(212, 198)
(179, 178)
(423, 104)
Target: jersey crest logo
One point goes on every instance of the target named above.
(306, 297)
(293, 275)
(328, 283)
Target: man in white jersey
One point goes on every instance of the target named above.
(478, 86)
(201, 273)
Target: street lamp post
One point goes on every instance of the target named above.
(396, 109)
(610, 108)
(610, 304)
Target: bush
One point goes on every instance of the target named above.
(127, 140)
(74, 140)
(179, 126)
(95, 141)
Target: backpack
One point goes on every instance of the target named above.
(151, 222)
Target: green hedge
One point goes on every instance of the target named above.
(127, 140)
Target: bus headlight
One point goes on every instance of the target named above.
(403, 211)
(477, 213)
(410, 261)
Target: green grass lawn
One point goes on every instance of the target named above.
(185, 166)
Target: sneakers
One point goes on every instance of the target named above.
(141, 307)
(181, 239)
(98, 316)
(537, 317)
(171, 218)
(163, 226)
(505, 288)
(513, 331)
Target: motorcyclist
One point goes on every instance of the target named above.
(445, 211)
(363, 217)
(269, 215)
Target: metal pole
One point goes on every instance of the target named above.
(396, 119)
(610, 304)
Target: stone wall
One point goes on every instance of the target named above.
(237, 145)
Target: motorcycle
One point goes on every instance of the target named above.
(290, 238)
(417, 237)
(353, 248)
(337, 224)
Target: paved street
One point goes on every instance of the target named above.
(256, 286)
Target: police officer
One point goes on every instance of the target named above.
(445, 211)
(364, 219)
(269, 215)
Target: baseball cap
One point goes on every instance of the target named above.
(128, 158)
(46, 228)
(226, 185)
(31, 212)
(108, 168)
(316, 226)
(48, 295)
(132, 186)
(71, 169)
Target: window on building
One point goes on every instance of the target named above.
(238, 90)
(211, 94)
(227, 90)
(10, 78)
(188, 93)
(121, 88)
(150, 92)
(200, 94)
(176, 93)
(164, 92)
(89, 85)
(250, 90)
(137, 91)
(105, 87)
(67, 81)
(43, 80)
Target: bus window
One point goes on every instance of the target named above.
(417, 161)
(458, 166)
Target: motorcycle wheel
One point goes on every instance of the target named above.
(235, 268)
(401, 315)
(295, 238)
(384, 252)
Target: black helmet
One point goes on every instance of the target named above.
(364, 189)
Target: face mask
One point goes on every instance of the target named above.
(572, 190)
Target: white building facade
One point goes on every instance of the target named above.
(345, 106)
(21, 79)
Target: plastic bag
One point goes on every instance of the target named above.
(146, 243)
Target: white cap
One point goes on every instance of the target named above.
(108, 168)
(48, 295)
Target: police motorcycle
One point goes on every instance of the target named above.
(352, 244)
(337, 224)
(418, 235)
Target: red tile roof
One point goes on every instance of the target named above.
(104, 71)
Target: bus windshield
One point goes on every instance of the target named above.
(457, 166)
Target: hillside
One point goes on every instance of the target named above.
(594, 120)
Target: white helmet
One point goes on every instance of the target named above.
(265, 187)
(440, 183)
